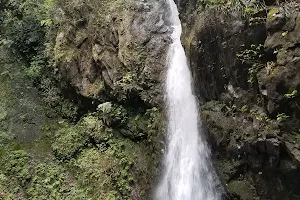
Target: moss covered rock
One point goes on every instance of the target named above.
(113, 47)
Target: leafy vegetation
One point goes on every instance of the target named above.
(291, 95)
(281, 117)
(252, 56)
(98, 154)
(92, 159)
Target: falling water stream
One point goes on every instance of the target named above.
(188, 172)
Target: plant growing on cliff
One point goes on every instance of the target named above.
(17, 164)
(252, 57)
(68, 141)
(291, 95)
(21, 25)
(112, 114)
(255, 12)
(281, 117)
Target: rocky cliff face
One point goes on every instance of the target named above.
(106, 138)
(113, 49)
(114, 53)
(244, 56)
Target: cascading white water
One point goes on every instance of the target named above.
(188, 174)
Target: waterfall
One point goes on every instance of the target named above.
(188, 172)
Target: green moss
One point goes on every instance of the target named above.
(271, 14)
(213, 2)
(5, 139)
(242, 188)
(250, 11)
(298, 20)
(275, 71)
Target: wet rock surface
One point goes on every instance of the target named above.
(246, 75)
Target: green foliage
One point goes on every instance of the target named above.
(281, 117)
(9, 188)
(107, 173)
(271, 14)
(256, 21)
(35, 68)
(68, 141)
(254, 11)
(252, 57)
(95, 128)
(21, 26)
(284, 34)
(250, 11)
(46, 22)
(112, 114)
(5, 139)
(245, 108)
(50, 182)
(291, 95)
(21, 178)
(23, 30)
(106, 168)
(95, 171)
(67, 109)
(112, 195)
(17, 164)
(123, 150)
(213, 2)
(260, 115)
(136, 127)
(47, 183)
(52, 96)
(128, 85)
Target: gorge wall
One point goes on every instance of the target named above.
(245, 60)
(106, 64)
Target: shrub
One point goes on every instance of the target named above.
(68, 141)
(17, 164)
